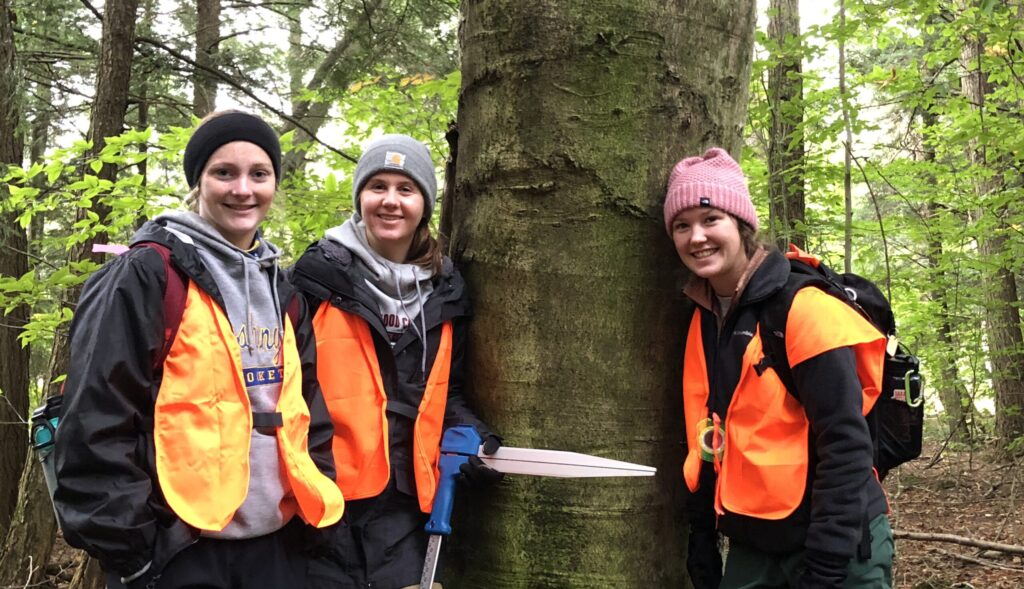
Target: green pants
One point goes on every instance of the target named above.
(746, 568)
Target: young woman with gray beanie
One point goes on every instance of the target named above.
(391, 321)
(786, 477)
(194, 447)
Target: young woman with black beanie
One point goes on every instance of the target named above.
(198, 454)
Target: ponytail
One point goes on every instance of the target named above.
(425, 250)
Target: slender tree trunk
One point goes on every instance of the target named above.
(204, 85)
(786, 141)
(314, 114)
(1003, 327)
(40, 137)
(14, 373)
(571, 116)
(847, 145)
(297, 53)
(956, 402)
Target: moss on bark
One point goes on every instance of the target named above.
(571, 115)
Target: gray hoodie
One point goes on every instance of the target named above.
(248, 286)
(399, 289)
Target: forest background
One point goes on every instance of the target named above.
(885, 136)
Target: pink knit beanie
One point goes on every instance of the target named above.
(712, 180)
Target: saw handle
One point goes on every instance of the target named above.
(458, 444)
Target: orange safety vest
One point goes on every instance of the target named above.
(354, 391)
(203, 425)
(766, 429)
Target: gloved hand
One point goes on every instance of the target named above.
(478, 474)
(823, 570)
(703, 561)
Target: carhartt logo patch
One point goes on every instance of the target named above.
(394, 159)
(705, 201)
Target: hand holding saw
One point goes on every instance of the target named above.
(462, 441)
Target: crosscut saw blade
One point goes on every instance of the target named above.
(559, 463)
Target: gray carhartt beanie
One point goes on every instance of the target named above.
(402, 154)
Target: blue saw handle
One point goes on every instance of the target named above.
(458, 444)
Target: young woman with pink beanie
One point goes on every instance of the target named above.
(785, 476)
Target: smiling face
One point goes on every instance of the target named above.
(391, 205)
(709, 244)
(236, 189)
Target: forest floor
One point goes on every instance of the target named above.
(968, 494)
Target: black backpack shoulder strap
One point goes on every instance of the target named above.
(772, 315)
(292, 310)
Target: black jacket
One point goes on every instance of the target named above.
(108, 498)
(841, 489)
(328, 272)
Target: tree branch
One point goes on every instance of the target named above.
(962, 541)
(979, 561)
(234, 84)
(93, 10)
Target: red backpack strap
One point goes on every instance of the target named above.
(174, 300)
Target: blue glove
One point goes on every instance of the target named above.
(478, 474)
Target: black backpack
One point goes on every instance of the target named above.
(897, 419)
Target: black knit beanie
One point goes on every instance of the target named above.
(221, 130)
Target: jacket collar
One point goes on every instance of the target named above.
(184, 256)
(766, 273)
(325, 271)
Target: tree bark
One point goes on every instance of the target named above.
(88, 574)
(847, 146)
(14, 375)
(204, 85)
(571, 116)
(1003, 327)
(786, 140)
(108, 114)
(30, 538)
(957, 405)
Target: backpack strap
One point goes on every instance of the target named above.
(174, 300)
(292, 310)
(772, 315)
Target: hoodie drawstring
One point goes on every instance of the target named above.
(248, 302)
(422, 334)
(265, 263)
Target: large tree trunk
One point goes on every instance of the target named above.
(1003, 328)
(14, 373)
(786, 141)
(204, 85)
(571, 115)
